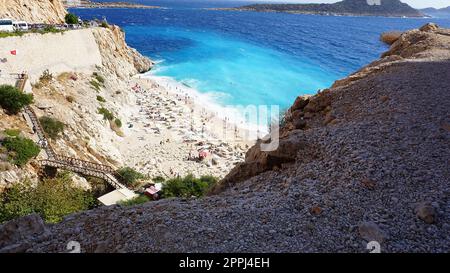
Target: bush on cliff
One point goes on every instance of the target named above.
(46, 77)
(20, 150)
(101, 99)
(140, 199)
(12, 132)
(71, 19)
(52, 127)
(98, 77)
(187, 186)
(13, 100)
(104, 24)
(95, 85)
(129, 176)
(118, 122)
(52, 199)
(107, 115)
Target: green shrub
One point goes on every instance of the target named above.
(13, 100)
(129, 176)
(20, 149)
(101, 99)
(104, 24)
(107, 115)
(70, 99)
(52, 127)
(95, 85)
(158, 179)
(12, 132)
(98, 77)
(10, 34)
(47, 29)
(71, 19)
(187, 186)
(141, 199)
(52, 199)
(118, 122)
(46, 76)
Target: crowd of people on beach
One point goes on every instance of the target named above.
(175, 116)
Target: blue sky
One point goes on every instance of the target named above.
(413, 3)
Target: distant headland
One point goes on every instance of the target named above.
(388, 8)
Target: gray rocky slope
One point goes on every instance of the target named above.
(368, 159)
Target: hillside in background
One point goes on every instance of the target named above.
(444, 12)
(390, 8)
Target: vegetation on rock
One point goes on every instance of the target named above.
(12, 132)
(188, 186)
(129, 176)
(20, 149)
(52, 199)
(107, 115)
(52, 127)
(101, 99)
(13, 100)
(71, 19)
(141, 199)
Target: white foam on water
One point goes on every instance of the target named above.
(210, 101)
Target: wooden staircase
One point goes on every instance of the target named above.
(76, 165)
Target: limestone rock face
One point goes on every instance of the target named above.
(33, 11)
(117, 56)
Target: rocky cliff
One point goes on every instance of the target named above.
(72, 57)
(366, 160)
(117, 56)
(33, 11)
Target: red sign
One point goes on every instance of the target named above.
(13, 52)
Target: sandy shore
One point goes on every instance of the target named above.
(172, 125)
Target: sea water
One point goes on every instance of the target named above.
(242, 58)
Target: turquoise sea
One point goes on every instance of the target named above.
(252, 58)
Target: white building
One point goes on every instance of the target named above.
(116, 196)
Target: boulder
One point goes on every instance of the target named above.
(429, 27)
(21, 229)
(300, 103)
(426, 212)
(370, 231)
(257, 161)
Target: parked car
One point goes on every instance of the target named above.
(20, 25)
(6, 25)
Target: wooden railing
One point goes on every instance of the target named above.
(88, 168)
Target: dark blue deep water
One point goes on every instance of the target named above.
(249, 57)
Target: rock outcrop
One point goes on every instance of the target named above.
(72, 57)
(33, 11)
(117, 56)
(364, 160)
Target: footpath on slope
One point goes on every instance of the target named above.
(54, 160)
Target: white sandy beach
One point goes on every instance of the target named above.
(172, 124)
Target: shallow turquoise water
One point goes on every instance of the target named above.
(236, 72)
(253, 58)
